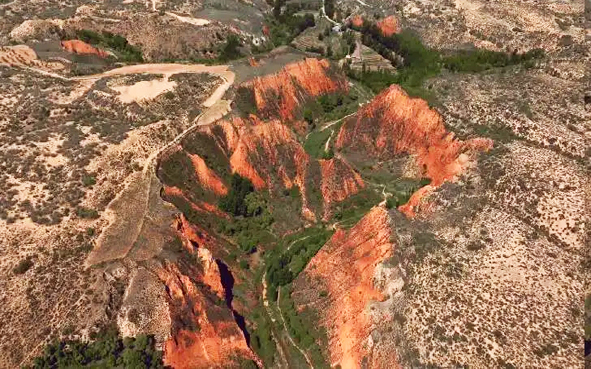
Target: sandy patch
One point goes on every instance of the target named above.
(144, 90)
(190, 20)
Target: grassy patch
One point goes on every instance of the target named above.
(315, 143)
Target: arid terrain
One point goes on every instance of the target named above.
(249, 184)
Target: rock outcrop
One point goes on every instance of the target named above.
(82, 48)
(345, 268)
(279, 95)
(269, 155)
(394, 123)
(204, 331)
(389, 25)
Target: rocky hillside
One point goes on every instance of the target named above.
(287, 210)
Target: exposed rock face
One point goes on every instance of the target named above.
(278, 95)
(345, 267)
(270, 155)
(208, 177)
(389, 25)
(82, 48)
(204, 333)
(396, 123)
(339, 181)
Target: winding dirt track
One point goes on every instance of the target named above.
(215, 108)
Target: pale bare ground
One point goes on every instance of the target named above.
(144, 90)
(190, 20)
(169, 69)
(25, 238)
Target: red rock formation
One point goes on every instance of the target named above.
(278, 95)
(345, 267)
(339, 181)
(204, 334)
(389, 25)
(395, 123)
(201, 206)
(82, 48)
(207, 177)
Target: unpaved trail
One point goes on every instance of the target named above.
(289, 335)
(169, 69)
(326, 16)
(268, 309)
(135, 194)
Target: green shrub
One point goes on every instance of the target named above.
(88, 180)
(234, 202)
(108, 350)
(87, 213)
(230, 49)
(117, 43)
(23, 266)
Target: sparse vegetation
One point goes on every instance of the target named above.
(304, 329)
(87, 213)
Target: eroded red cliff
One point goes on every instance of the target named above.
(395, 123)
(82, 48)
(279, 95)
(204, 333)
(345, 268)
(339, 181)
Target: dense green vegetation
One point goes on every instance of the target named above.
(261, 339)
(415, 62)
(418, 64)
(235, 201)
(108, 350)
(253, 219)
(285, 26)
(303, 328)
(481, 60)
(117, 43)
(330, 107)
(291, 256)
